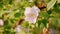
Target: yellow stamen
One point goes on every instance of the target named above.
(32, 15)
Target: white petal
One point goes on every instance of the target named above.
(1, 22)
(27, 11)
(26, 18)
(35, 9)
(31, 20)
(18, 29)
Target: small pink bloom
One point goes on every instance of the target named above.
(18, 29)
(1, 22)
(31, 14)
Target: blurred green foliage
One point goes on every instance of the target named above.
(16, 8)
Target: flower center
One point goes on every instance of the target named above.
(32, 15)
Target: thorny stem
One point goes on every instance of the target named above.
(19, 22)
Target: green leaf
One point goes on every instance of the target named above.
(1, 5)
(7, 27)
(12, 20)
(36, 31)
(56, 8)
(49, 12)
(45, 21)
(25, 24)
(39, 22)
(6, 23)
(17, 14)
(44, 14)
(50, 4)
(7, 32)
(10, 1)
(13, 33)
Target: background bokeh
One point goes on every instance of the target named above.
(11, 11)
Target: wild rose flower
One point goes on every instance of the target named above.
(1, 22)
(31, 14)
(18, 29)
